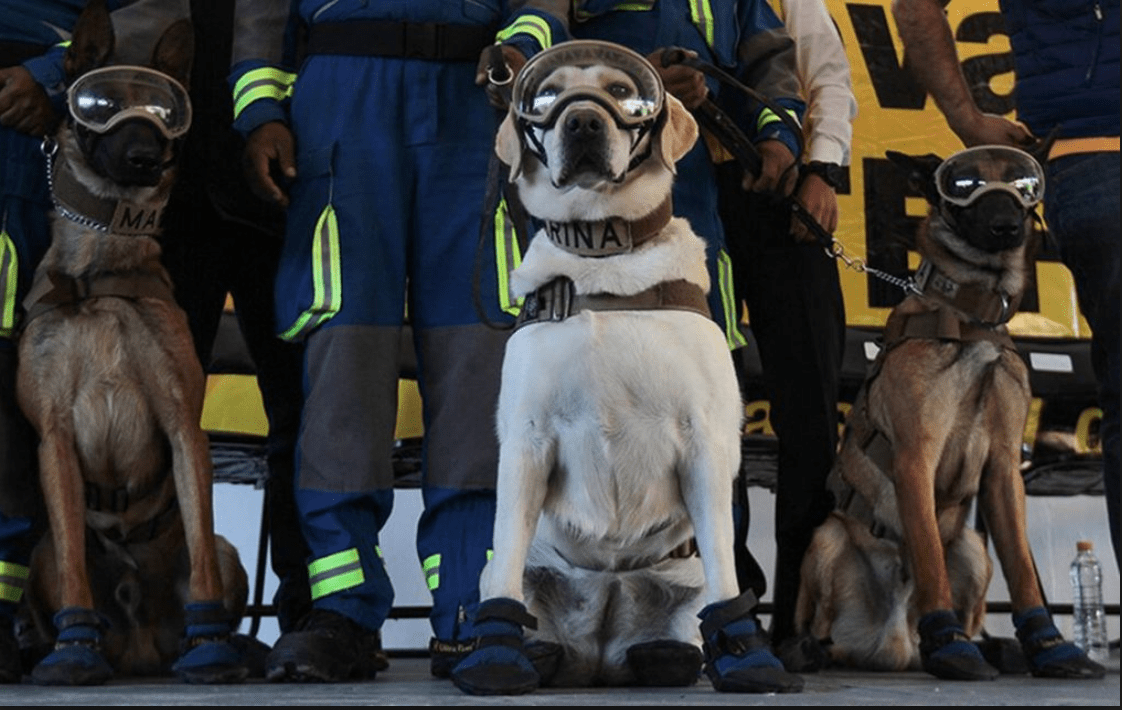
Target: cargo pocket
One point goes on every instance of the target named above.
(309, 279)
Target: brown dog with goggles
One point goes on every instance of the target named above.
(896, 578)
(131, 577)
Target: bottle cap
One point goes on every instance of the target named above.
(1084, 545)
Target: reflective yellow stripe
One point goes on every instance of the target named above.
(263, 83)
(641, 6)
(733, 335)
(13, 579)
(508, 256)
(702, 15)
(532, 25)
(767, 116)
(431, 568)
(335, 573)
(9, 276)
(327, 295)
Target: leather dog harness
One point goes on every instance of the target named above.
(960, 313)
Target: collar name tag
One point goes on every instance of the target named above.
(133, 219)
(600, 238)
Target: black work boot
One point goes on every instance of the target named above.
(11, 663)
(326, 647)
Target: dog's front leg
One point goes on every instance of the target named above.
(499, 665)
(76, 658)
(945, 650)
(1002, 500)
(737, 655)
(209, 657)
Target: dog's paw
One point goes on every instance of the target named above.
(76, 658)
(499, 664)
(802, 653)
(946, 651)
(212, 662)
(738, 657)
(1047, 653)
(208, 656)
(665, 663)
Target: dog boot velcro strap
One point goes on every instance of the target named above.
(76, 658)
(738, 657)
(499, 664)
(1048, 654)
(946, 650)
(208, 656)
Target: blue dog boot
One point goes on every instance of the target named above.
(499, 665)
(76, 658)
(946, 651)
(1047, 653)
(738, 657)
(208, 655)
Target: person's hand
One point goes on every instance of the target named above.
(820, 202)
(270, 155)
(498, 94)
(685, 83)
(776, 171)
(24, 105)
(991, 129)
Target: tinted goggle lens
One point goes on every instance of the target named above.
(967, 175)
(102, 98)
(611, 75)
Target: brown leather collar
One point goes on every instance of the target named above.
(75, 202)
(982, 306)
(609, 236)
(556, 301)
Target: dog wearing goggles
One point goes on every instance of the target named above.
(896, 578)
(131, 578)
(619, 415)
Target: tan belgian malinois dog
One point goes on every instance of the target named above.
(895, 578)
(131, 576)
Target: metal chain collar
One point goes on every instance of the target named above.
(49, 149)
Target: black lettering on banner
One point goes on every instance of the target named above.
(981, 69)
(893, 83)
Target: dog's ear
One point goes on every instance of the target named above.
(508, 146)
(175, 51)
(1041, 147)
(678, 135)
(92, 42)
(919, 172)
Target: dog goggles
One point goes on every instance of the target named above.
(967, 175)
(102, 98)
(617, 78)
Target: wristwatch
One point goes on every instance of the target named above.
(831, 173)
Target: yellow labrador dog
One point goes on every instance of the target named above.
(619, 415)
(895, 578)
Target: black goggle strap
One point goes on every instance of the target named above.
(531, 143)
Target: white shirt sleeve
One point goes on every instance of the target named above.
(825, 78)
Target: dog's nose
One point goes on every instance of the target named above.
(584, 124)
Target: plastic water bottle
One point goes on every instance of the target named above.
(1088, 617)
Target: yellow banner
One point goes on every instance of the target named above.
(878, 214)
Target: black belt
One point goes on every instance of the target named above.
(13, 53)
(415, 40)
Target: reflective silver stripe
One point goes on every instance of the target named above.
(733, 334)
(335, 573)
